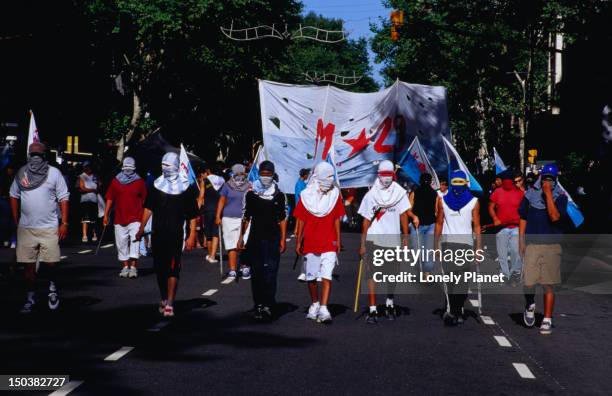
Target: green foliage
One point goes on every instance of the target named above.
(200, 86)
(480, 46)
(115, 126)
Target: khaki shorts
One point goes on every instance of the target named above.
(542, 265)
(41, 243)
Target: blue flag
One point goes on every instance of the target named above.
(259, 158)
(499, 163)
(573, 211)
(455, 162)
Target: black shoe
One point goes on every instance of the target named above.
(390, 313)
(258, 315)
(450, 319)
(372, 317)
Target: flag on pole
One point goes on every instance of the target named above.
(573, 211)
(414, 162)
(499, 163)
(330, 159)
(185, 170)
(259, 158)
(455, 162)
(32, 132)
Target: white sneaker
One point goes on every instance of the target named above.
(53, 300)
(246, 273)
(211, 260)
(125, 271)
(546, 327)
(323, 316)
(13, 245)
(168, 311)
(313, 311)
(232, 275)
(84, 239)
(162, 306)
(95, 238)
(27, 307)
(133, 273)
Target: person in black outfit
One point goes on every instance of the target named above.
(172, 202)
(423, 202)
(210, 185)
(265, 210)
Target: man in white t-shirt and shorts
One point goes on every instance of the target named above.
(385, 210)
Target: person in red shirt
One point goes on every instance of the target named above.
(318, 215)
(503, 208)
(128, 192)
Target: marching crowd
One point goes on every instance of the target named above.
(249, 219)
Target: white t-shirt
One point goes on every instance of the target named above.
(457, 226)
(385, 229)
(90, 181)
(39, 206)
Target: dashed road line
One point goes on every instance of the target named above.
(523, 370)
(63, 257)
(85, 251)
(474, 303)
(209, 292)
(118, 354)
(158, 326)
(502, 341)
(227, 281)
(66, 389)
(107, 246)
(487, 320)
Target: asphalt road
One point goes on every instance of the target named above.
(213, 346)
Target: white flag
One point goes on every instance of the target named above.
(455, 162)
(185, 170)
(32, 132)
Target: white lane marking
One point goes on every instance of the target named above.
(487, 320)
(502, 341)
(209, 292)
(64, 390)
(118, 354)
(474, 303)
(85, 251)
(63, 257)
(523, 370)
(227, 281)
(107, 246)
(159, 326)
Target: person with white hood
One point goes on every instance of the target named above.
(318, 213)
(127, 191)
(172, 202)
(385, 208)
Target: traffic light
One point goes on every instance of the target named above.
(397, 20)
(532, 155)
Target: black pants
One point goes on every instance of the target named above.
(264, 258)
(167, 252)
(457, 293)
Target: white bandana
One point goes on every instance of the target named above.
(170, 182)
(314, 199)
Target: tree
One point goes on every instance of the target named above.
(492, 56)
(198, 86)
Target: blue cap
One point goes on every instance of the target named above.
(550, 170)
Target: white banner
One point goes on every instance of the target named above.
(301, 124)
